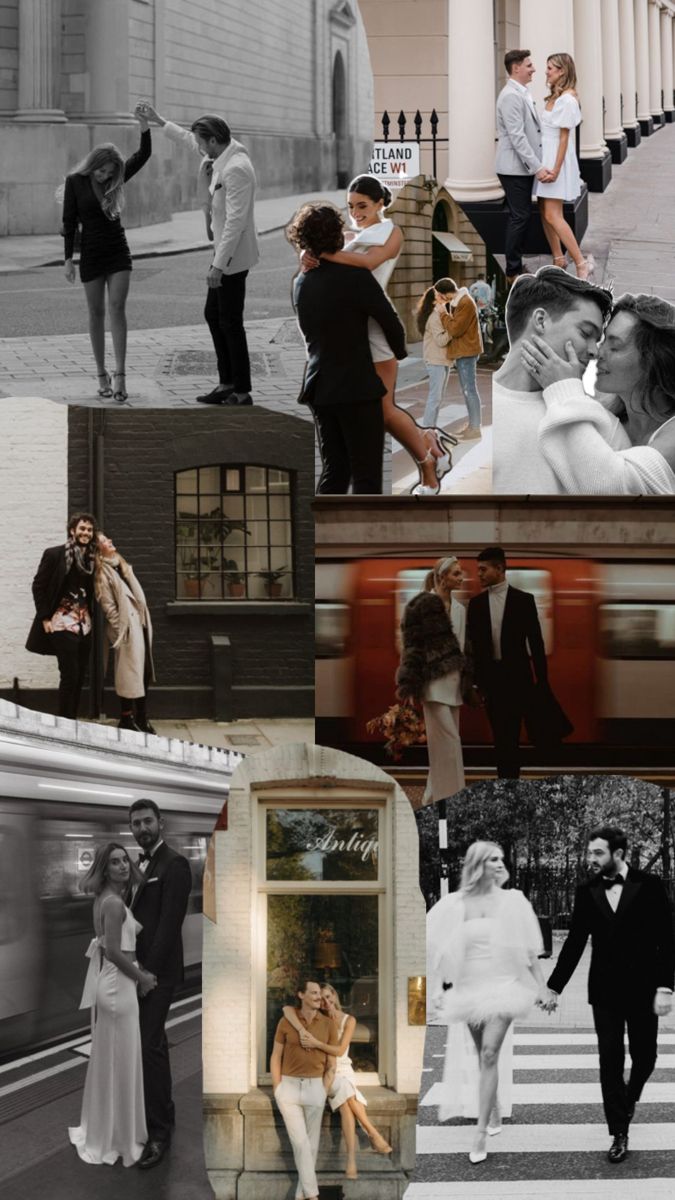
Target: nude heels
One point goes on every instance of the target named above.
(586, 268)
(479, 1156)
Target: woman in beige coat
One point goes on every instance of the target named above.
(128, 631)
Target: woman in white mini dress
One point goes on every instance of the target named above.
(483, 971)
(343, 1096)
(375, 244)
(559, 119)
(112, 1124)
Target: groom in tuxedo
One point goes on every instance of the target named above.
(509, 655)
(159, 904)
(628, 917)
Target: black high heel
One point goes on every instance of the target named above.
(120, 393)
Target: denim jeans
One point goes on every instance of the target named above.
(438, 377)
(466, 369)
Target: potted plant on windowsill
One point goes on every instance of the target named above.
(272, 580)
(234, 579)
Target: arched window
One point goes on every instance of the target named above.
(339, 97)
(234, 533)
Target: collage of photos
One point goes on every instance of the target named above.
(337, 735)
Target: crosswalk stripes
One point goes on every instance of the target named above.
(556, 1143)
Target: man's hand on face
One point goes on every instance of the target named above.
(663, 1003)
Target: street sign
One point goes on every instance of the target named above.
(395, 163)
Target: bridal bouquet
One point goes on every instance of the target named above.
(401, 725)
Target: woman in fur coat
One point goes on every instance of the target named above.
(432, 665)
(128, 632)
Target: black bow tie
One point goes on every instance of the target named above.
(144, 858)
(608, 883)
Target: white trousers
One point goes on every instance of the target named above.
(446, 765)
(301, 1103)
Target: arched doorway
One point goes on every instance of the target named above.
(340, 120)
(440, 256)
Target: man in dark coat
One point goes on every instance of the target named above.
(160, 904)
(508, 654)
(63, 591)
(628, 917)
(333, 304)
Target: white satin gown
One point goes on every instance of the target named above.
(112, 1124)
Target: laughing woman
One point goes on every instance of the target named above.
(128, 633)
(93, 199)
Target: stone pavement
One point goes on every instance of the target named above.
(245, 736)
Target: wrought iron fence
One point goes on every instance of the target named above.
(418, 121)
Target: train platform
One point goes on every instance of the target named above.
(247, 735)
(41, 1095)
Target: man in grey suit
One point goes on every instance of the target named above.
(518, 154)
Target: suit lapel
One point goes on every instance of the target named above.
(147, 874)
(629, 891)
(600, 896)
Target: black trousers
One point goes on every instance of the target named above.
(505, 706)
(224, 315)
(617, 1095)
(159, 1109)
(518, 200)
(351, 444)
(72, 653)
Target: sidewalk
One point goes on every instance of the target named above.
(247, 736)
(184, 232)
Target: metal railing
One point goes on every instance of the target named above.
(418, 121)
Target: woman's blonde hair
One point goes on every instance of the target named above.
(100, 562)
(97, 877)
(473, 868)
(112, 200)
(328, 987)
(442, 566)
(568, 79)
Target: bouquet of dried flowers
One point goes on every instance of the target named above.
(401, 725)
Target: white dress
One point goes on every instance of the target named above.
(344, 1084)
(485, 960)
(112, 1124)
(377, 235)
(565, 114)
(446, 762)
(572, 442)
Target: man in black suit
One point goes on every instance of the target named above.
(160, 904)
(509, 655)
(629, 919)
(333, 303)
(63, 592)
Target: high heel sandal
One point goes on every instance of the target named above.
(478, 1156)
(560, 260)
(380, 1144)
(425, 489)
(351, 1173)
(586, 268)
(105, 391)
(120, 393)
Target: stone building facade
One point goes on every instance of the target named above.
(293, 81)
(274, 910)
(213, 510)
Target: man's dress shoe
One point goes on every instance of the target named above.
(153, 1154)
(618, 1150)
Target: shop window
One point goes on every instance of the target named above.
(234, 536)
(642, 631)
(325, 918)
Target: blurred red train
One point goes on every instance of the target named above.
(609, 632)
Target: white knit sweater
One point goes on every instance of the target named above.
(573, 442)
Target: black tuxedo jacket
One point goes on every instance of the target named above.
(47, 592)
(333, 303)
(633, 949)
(520, 629)
(160, 904)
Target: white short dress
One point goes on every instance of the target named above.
(565, 114)
(344, 1084)
(377, 235)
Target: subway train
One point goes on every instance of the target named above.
(56, 807)
(609, 632)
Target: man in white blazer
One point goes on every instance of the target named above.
(518, 154)
(227, 192)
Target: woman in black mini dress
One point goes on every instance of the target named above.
(93, 199)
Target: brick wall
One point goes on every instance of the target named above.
(33, 515)
(272, 654)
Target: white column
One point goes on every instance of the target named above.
(39, 61)
(546, 27)
(471, 102)
(627, 58)
(107, 57)
(655, 105)
(611, 70)
(667, 58)
(642, 60)
(587, 40)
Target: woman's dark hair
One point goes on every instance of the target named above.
(654, 343)
(97, 875)
(370, 186)
(209, 126)
(426, 304)
(318, 227)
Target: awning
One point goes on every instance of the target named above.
(459, 252)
